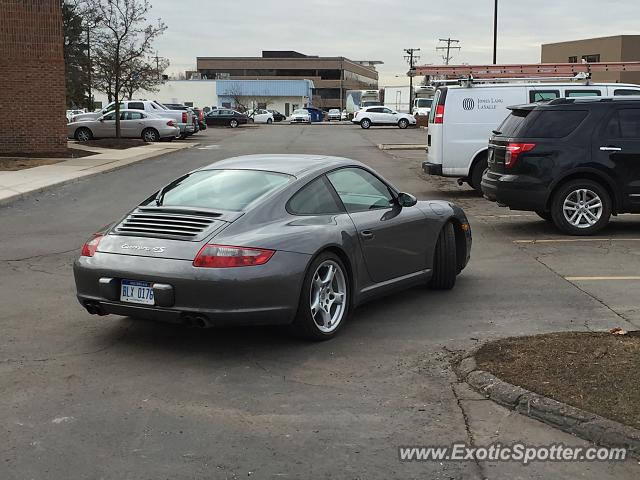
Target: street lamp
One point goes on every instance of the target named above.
(495, 31)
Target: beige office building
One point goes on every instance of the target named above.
(620, 48)
(331, 76)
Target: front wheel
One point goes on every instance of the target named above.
(581, 207)
(83, 134)
(150, 135)
(324, 301)
(365, 123)
(269, 121)
(445, 261)
(403, 123)
(233, 123)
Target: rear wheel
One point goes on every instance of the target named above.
(477, 172)
(324, 301)
(403, 123)
(269, 121)
(150, 135)
(581, 207)
(83, 134)
(365, 123)
(445, 266)
(233, 123)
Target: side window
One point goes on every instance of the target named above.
(625, 91)
(360, 190)
(136, 105)
(188, 104)
(387, 110)
(315, 198)
(555, 123)
(133, 116)
(213, 113)
(582, 93)
(625, 123)
(543, 95)
(375, 110)
(110, 116)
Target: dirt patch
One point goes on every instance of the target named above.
(9, 164)
(116, 143)
(597, 372)
(68, 153)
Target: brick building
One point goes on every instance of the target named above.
(32, 97)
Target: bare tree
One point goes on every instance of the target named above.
(124, 38)
(244, 102)
(143, 74)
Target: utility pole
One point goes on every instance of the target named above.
(495, 32)
(158, 64)
(411, 58)
(447, 57)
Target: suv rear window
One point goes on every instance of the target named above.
(554, 123)
(511, 125)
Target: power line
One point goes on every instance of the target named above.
(411, 58)
(447, 57)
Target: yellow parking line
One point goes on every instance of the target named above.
(587, 279)
(573, 240)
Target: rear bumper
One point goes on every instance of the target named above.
(518, 192)
(187, 128)
(266, 294)
(432, 168)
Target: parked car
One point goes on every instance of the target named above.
(260, 116)
(72, 113)
(277, 116)
(463, 117)
(133, 124)
(379, 115)
(226, 117)
(200, 116)
(186, 108)
(334, 114)
(300, 116)
(575, 162)
(278, 239)
(184, 119)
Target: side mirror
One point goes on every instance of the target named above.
(406, 200)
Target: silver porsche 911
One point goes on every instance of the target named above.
(270, 239)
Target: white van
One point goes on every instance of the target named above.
(463, 117)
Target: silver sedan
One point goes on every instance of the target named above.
(133, 124)
(271, 239)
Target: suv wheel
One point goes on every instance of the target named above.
(581, 207)
(365, 123)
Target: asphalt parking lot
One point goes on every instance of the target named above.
(113, 398)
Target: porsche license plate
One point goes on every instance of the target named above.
(136, 292)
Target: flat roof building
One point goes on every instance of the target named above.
(619, 48)
(331, 76)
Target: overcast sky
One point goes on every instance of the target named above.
(381, 29)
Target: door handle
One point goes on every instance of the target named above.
(610, 149)
(367, 234)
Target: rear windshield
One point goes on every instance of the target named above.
(553, 123)
(233, 190)
(511, 125)
(424, 102)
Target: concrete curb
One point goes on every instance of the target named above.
(576, 421)
(116, 164)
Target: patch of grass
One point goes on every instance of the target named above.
(597, 372)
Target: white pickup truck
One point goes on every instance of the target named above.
(183, 119)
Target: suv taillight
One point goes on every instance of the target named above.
(225, 256)
(439, 116)
(171, 123)
(184, 117)
(514, 150)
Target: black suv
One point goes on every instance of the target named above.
(572, 161)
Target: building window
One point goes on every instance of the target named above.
(591, 58)
(573, 59)
(329, 93)
(262, 106)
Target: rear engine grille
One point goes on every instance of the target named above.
(144, 222)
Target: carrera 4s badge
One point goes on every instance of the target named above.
(126, 246)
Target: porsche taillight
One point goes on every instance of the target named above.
(225, 256)
(91, 245)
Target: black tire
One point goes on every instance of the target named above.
(477, 172)
(365, 123)
(269, 121)
(403, 123)
(567, 191)
(150, 135)
(304, 325)
(233, 123)
(545, 215)
(83, 134)
(445, 263)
